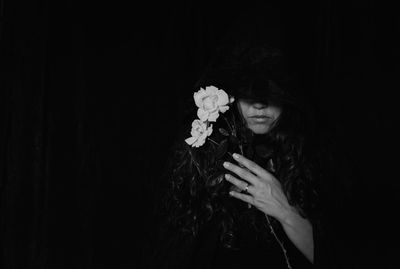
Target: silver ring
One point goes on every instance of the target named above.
(247, 188)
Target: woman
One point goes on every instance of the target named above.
(242, 181)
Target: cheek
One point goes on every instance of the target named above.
(244, 109)
(248, 121)
(276, 111)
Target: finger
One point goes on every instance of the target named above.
(241, 172)
(244, 197)
(234, 188)
(252, 166)
(242, 185)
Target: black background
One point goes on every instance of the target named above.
(91, 98)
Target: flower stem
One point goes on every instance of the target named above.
(241, 148)
(213, 141)
(279, 242)
(194, 162)
(229, 125)
(234, 125)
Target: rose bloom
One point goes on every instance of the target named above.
(199, 133)
(210, 102)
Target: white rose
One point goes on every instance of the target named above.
(210, 102)
(199, 133)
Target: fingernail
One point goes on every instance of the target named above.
(231, 193)
(236, 156)
(226, 164)
(227, 176)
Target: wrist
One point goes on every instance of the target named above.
(292, 219)
(300, 231)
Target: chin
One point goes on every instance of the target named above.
(259, 129)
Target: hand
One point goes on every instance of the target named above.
(265, 192)
(262, 189)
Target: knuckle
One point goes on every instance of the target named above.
(236, 182)
(245, 173)
(252, 166)
(242, 173)
(235, 169)
(259, 185)
(267, 177)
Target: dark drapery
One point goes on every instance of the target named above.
(91, 96)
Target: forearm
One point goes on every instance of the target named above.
(300, 231)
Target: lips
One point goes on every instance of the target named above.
(260, 119)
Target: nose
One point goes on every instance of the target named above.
(259, 105)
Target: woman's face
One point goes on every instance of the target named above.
(258, 116)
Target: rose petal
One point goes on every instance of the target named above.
(203, 115)
(211, 90)
(209, 130)
(199, 142)
(213, 116)
(197, 128)
(195, 132)
(198, 123)
(190, 140)
(223, 109)
(198, 97)
(223, 98)
(209, 102)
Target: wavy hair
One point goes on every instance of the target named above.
(197, 194)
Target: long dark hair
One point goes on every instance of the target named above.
(196, 193)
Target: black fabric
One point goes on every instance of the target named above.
(91, 96)
(252, 249)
